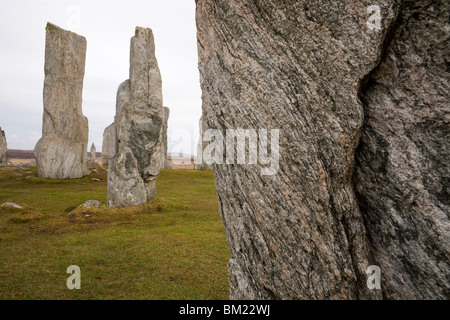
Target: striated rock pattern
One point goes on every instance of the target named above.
(61, 152)
(3, 148)
(109, 145)
(164, 161)
(402, 174)
(301, 67)
(139, 120)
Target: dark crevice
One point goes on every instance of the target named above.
(365, 84)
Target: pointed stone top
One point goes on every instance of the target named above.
(54, 28)
(143, 31)
(146, 38)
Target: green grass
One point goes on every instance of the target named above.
(173, 247)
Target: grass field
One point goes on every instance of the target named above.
(174, 247)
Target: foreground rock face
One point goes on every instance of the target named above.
(165, 163)
(402, 171)
(3, 148)
(300, 67)
(109, 145)
(139, 119)
(61, 152)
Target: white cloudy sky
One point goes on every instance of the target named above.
(108, 26)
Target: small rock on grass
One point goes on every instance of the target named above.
(91, 204)
(11, 205)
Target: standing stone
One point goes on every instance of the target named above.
(109, 145)
(139, 119)
(93, 153)
(61, 152)
(302, 68)
(201, 165)
(3, 148)
(402, 171)
(92, 163)
(164, 146)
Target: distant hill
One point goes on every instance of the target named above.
(20, 154)
(29, 154)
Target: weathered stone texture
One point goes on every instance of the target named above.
(139, 120)
(402, 172)
(300, 66)
(3, 148)
(61, 152)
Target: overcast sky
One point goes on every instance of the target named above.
(108, 26)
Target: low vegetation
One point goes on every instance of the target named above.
(173, 247)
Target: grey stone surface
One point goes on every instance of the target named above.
(91, 204)
(164, 145)
(61, 152)
(139, 119)
(3, 148)
(402, 172)
(303, 67)
(109, 145)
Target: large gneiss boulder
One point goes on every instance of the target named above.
(61, 152)
(139, 121)
(3, 148)
(301, 67)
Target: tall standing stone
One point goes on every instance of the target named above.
(165, 162)
(109, 145)
(61, 152)
(3, 148)
(139, 119)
